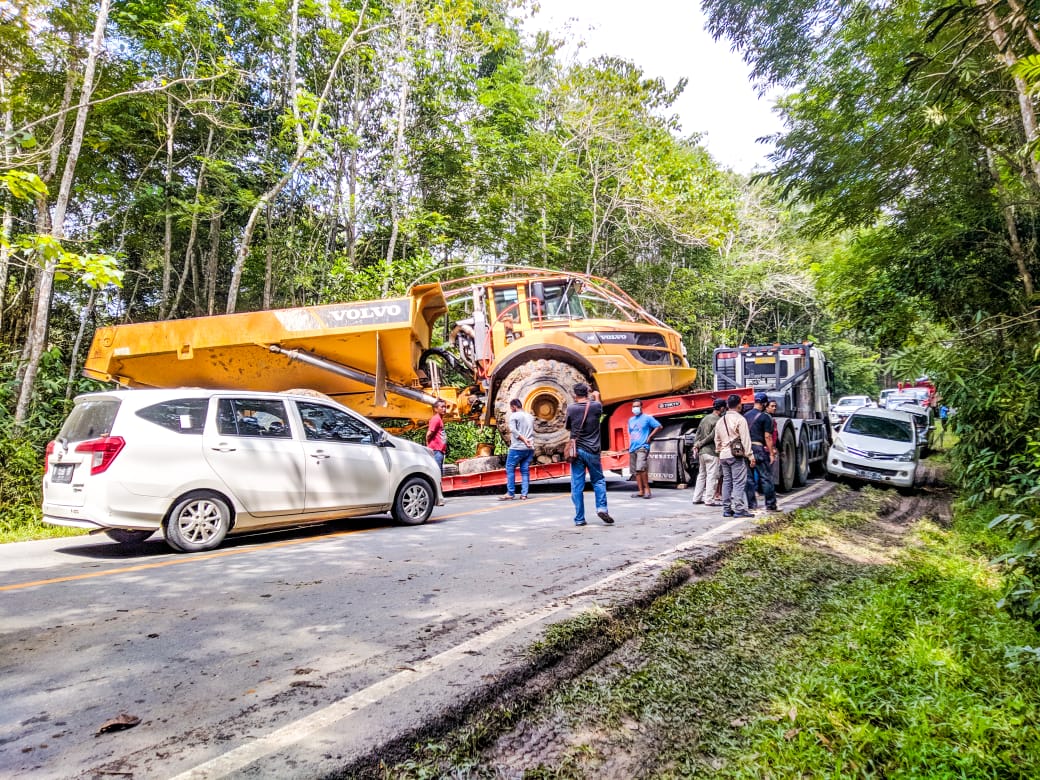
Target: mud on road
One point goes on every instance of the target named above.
(521, 726)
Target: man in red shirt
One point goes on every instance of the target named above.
(436, 437)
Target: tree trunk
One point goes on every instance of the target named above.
(1002, 41)
(88, 312)
(1007, 208)
(168, 205)
(37, 337)
(269, 262)
(211, 263)
(7, 222)
(396, 172)
(302, 150)
(193, 232)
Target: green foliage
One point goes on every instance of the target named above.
(21, 453)
(990, 379)
(855, 369)
(813, 651)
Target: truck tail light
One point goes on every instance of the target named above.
(103, 451)
(47, 455)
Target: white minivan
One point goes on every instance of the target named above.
(876, 445)
(198, 464)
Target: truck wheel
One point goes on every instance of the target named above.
(801, 472)
(788, 458)
(545, 388)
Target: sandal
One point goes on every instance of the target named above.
(506, 497)
(523, 498)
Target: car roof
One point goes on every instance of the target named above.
(854, 398)
(891, 414)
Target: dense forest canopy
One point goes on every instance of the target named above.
(162, 160)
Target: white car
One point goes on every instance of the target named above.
(876, 445)
(846, 405)
(199, 464)
(885, 395)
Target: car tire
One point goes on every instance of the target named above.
(197, 522)
(414, 502)
(127, 535)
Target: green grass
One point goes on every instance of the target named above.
(824, 649)
(28, 528)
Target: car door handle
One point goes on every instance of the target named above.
(320, 455)
(223, 448)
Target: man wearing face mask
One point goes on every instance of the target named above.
(641, 429)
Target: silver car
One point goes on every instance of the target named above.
(200, 464)
(876, 445)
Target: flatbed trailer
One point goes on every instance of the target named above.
(668, 464)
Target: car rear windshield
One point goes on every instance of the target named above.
(182, 415)
(90, 419)
(880, 427)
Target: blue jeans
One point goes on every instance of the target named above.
(761, 478)
(521, 458)
(590, 461)
(439, 457)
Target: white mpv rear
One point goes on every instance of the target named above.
(199, 464)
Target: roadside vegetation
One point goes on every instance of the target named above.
(860, 637)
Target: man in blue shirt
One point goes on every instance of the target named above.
(641, 429)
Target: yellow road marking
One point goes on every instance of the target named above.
(236, 551)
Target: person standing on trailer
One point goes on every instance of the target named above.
(521, 450)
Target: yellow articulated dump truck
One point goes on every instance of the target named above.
(476, 342)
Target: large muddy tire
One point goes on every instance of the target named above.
(545, 388)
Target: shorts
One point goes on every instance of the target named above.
(637, 461)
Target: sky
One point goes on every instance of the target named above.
(667, 39)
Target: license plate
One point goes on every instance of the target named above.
(63, 472)
(871, 475)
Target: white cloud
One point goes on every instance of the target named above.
(667, 39)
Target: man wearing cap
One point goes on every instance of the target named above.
(707, 457)
(760, 429)
(641, 429)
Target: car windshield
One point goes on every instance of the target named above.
(880, 427)
(852, 401)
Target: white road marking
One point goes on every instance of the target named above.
(339, 710)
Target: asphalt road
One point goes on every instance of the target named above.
(288, 654)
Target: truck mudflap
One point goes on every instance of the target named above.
(612, 461)
(668, 461)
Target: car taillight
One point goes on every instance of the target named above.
(103, 451)
(47, 455)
